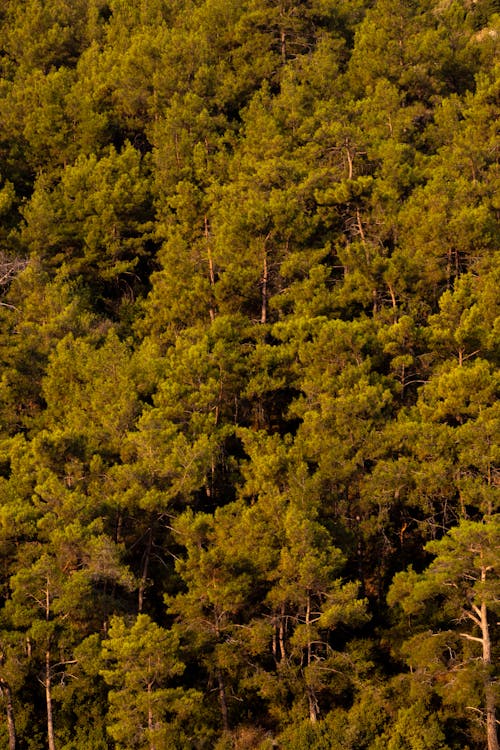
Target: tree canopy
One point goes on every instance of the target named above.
(249, 345)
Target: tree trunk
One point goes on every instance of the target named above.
(150, 718)
(491, 722)
(9, 710)
(311, 695)
(48, 676)
(393, 300)
(313, 705)
(308, 626)
(263, 314)
(349, 159)
(48, 700)
(282, 625)
(223, 700)
(479, 616)
(283, 45)
(145, 568)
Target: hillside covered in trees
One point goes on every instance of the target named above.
(249, 346)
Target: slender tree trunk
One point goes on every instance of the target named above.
(313, 704)
(263, 315)
(281, 636)
(275, 639)
(223, 700)
(479, 616)
(361, 232)
(48, 700)
(311, 695)
(118, 528)
(9, 710)
(393, 300)
(491, 722)
(349, 159)
(150, 719)
(308, 626)
(283, 45)
(48, 677)
(145, 568)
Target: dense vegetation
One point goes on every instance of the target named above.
(249, 342)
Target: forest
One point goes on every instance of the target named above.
(249, 374)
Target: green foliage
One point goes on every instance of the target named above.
(139, 699)
(464, 578)
(249, 350)
(106, 210)
(414, 729)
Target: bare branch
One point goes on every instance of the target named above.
(477, 610)
(471, 637)
(10, 267)
(472, 617)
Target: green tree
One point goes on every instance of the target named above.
(94, 224)
(52, 600)
(464, 578)
(307, 601)
(312, 601)
(40, 311)
(140, 659)
(212, 611)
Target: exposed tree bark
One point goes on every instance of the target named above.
(313, 705)
(263, 315)
(479, 616)
(9, 711)
(308, 626)
(283, 45)
(349, 159)
(274, 643)
(223, 700)
(393, 299)
(361, 232)
(48, 700)
(491, 722)
(150, 717)
(282, 624)
(311, 695)
(48, 677)
(145, 568)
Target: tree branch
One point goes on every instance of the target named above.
(471, 637)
